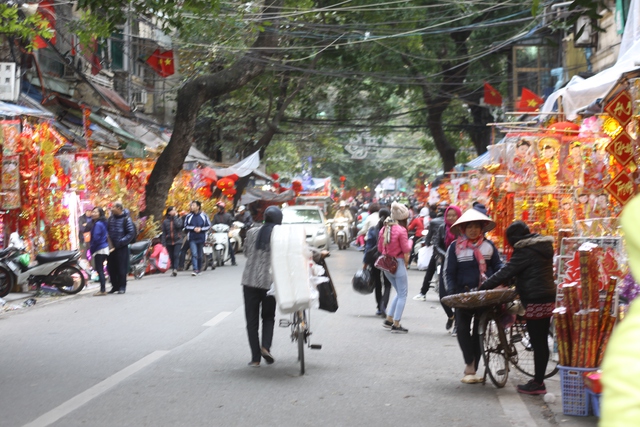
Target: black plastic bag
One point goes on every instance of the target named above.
(328, 296)
(363, 282)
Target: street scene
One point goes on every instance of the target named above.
(337, 212)
(173, 352)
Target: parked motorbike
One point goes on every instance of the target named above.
(220, 236)
(59, 269)
(341, 232)
(139, 258)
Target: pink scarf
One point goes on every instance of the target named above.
(449, 237)
(463, 243)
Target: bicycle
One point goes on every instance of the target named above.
(503, 345)
(300, 333)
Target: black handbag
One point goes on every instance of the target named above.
(328, 297)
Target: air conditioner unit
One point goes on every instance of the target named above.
(140, 97)
(9, 84)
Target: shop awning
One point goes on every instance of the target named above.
(580, 93)
(243, 168)
(14, 110)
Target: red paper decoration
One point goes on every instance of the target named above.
(566, 128)
(233, 177)
(621, 148)
(296, 186)
(620, 108)
(229, 192)
(622, 188)
(225, 183)
(275, 176)
(343, 178)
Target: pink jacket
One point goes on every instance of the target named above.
(399, 243)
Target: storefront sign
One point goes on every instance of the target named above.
(621, 148)
(620, 108)
(622, 188)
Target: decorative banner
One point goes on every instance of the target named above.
(622, 188)
(621, 148)
(10, 136)
(620, 108)
(11, 182)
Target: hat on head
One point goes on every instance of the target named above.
(473, 215)
(517, 231)
(241, 208)
(424, 212)
(399, 211)
(342, 204)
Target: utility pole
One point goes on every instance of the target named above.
(127, 63)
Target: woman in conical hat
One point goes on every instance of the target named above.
(470, 260)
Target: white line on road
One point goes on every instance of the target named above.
(219, 318)
(75, 402)
(515, 409)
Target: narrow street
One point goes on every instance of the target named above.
(174, 352)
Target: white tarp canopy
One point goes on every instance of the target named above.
(579, 93)
(253, 194)
(243, 168)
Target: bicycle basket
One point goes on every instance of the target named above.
(479, 299)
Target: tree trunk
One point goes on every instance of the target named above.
(445, 149)
(478, 131)
(189, 100)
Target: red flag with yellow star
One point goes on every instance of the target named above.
(529, 101)
(162, 62)
(491, 95)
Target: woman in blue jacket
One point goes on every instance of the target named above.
(469, 261)
(99, 246)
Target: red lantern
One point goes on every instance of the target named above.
(275, 176)
(205, 192)
(225, 183)
(230, 192)
(343, 178)
(233, 177)
(565, 128)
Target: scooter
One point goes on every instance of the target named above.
(220, 233)
(419, 243)
(235, 236)
(139, 258)
(341, 232)
(59, 269)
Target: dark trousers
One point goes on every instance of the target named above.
(538, 334)
(118, 268)
(468, 338)
(382, 297)
(98, 262)
(431, 270)
(174, 255)
(253, 299)
(443, 293)
(232, 253)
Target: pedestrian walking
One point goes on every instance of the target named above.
(393, 240)
(223, 217)
(469, 261)
(256, 282)
(172, 236)
(417, 224)
(85, 224)
(433, 239)
(532, 266)
(370, 255)
(121, 232)
(99, 246)
(196, 224)
(444, 238)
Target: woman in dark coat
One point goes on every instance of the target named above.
(172, 236)
(532, 266)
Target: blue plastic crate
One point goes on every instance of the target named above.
(594, 400)
(575, 400)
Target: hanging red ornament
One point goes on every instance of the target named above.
(233, 177)
(224, 183)
(343, 178)
(229, 192)
(275, 185)
(275, 176)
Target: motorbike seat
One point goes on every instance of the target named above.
(55, 256)
(6, 251)
(138, 247)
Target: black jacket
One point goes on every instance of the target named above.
(171, 230)
(434, 230)
(462, 272)
(532, 266)
(121, 230)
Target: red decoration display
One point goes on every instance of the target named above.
(620, 108)
(622, 188)
(621, 148)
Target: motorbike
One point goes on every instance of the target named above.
(420, 241)
(235, 235)
(220, 236)
(341, 232)
(139, 258)
(59, 269)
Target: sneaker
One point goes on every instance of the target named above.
(420, 297)
(194, 273)
(234, 263)
(379, 313)
(174, 273)
(532, 387)
(454, 332)
(267, 356)
(398, 330)
(449, 323)
(198, 273)
(99, 294)
(387, 324)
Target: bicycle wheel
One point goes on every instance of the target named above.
(523, 360)
(68, 279)
(6, 282)
(493, 352)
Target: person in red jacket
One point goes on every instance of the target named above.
(416, 227)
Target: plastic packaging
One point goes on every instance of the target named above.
(290, 268)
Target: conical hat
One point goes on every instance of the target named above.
(473, 215)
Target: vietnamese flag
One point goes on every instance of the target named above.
(48, 13)
(529, 101)
(162, 62)
(491, 95)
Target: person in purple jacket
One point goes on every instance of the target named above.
(393, 240)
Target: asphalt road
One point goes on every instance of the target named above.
(174, 352)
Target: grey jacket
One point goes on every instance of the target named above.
(257, 271)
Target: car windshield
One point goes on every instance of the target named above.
(301, 216)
